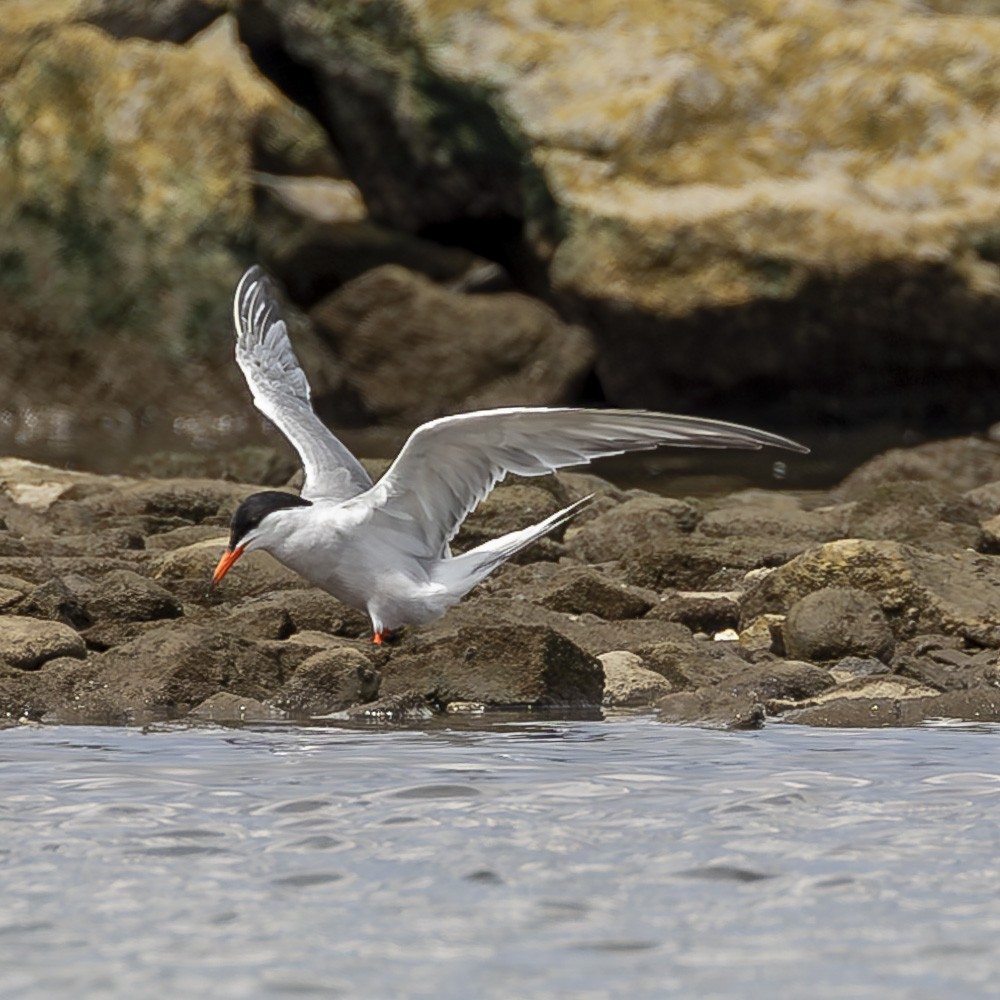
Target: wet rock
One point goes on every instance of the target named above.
(229, 707)
(687, 662)
(942, 663)
(478, 351)
(166, 672)
(329, 681)
(919, 591)
(929, 515)
(835, 622)
(958, 464)
(980, 704)
(187, 572)
(781, 681)
(707, 611)
(627, 683)
(712, 707)
(409, 706)
(492, 664)
(27, 643)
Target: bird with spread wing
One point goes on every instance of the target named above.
(383, 547)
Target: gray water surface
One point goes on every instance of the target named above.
(591, 860)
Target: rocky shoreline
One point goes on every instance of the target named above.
(874, 604)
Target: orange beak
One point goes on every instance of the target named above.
(225, 564)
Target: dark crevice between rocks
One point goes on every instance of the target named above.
(432, 156)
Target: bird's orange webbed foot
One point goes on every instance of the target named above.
(384, 635)
(379, 637)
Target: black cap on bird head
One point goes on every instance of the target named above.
(246, 518)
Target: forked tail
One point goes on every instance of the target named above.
(461, 573)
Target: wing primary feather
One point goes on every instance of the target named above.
(281, 392)
(448, 465)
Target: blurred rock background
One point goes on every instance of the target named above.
(785, 212)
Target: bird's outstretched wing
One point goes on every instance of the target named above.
(448, 466)
(281, 392)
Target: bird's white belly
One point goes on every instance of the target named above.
(364, 573)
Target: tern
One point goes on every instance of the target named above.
(383, 547)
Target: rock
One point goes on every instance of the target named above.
(708, 611)
(123, 595)
(228, 707)
(712, 707)
(851, 667)
(261, 465)
(329, 682)
(926, 514)
(492, 664)
(835, 622)
(284, 613)
(673, 168)
(27, 643)
(590, 633)
(976, 705)
(941, 663)
(37, 487)
(918, 591)
(688, 663)
(478, 351)
(379, 92)
(410, 706)
(628, 684)
(166, 672)
(187, 534)
(957, 464)
(187, 572)
(163, 21)
(575, 590)
(763, 637)
(126, 196)
(317, 239)
(639, 521)
(170, 502)
(62, 599)
(767, 513)
(694, 562)
(781, 681)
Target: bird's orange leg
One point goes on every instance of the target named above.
(379, 637)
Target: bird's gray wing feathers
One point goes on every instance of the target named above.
(281, 392)
(449, 465)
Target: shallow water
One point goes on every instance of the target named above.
(589, 860)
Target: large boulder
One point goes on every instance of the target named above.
(493, 665)
(735, 201)
(476, 350)
(957, 593)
